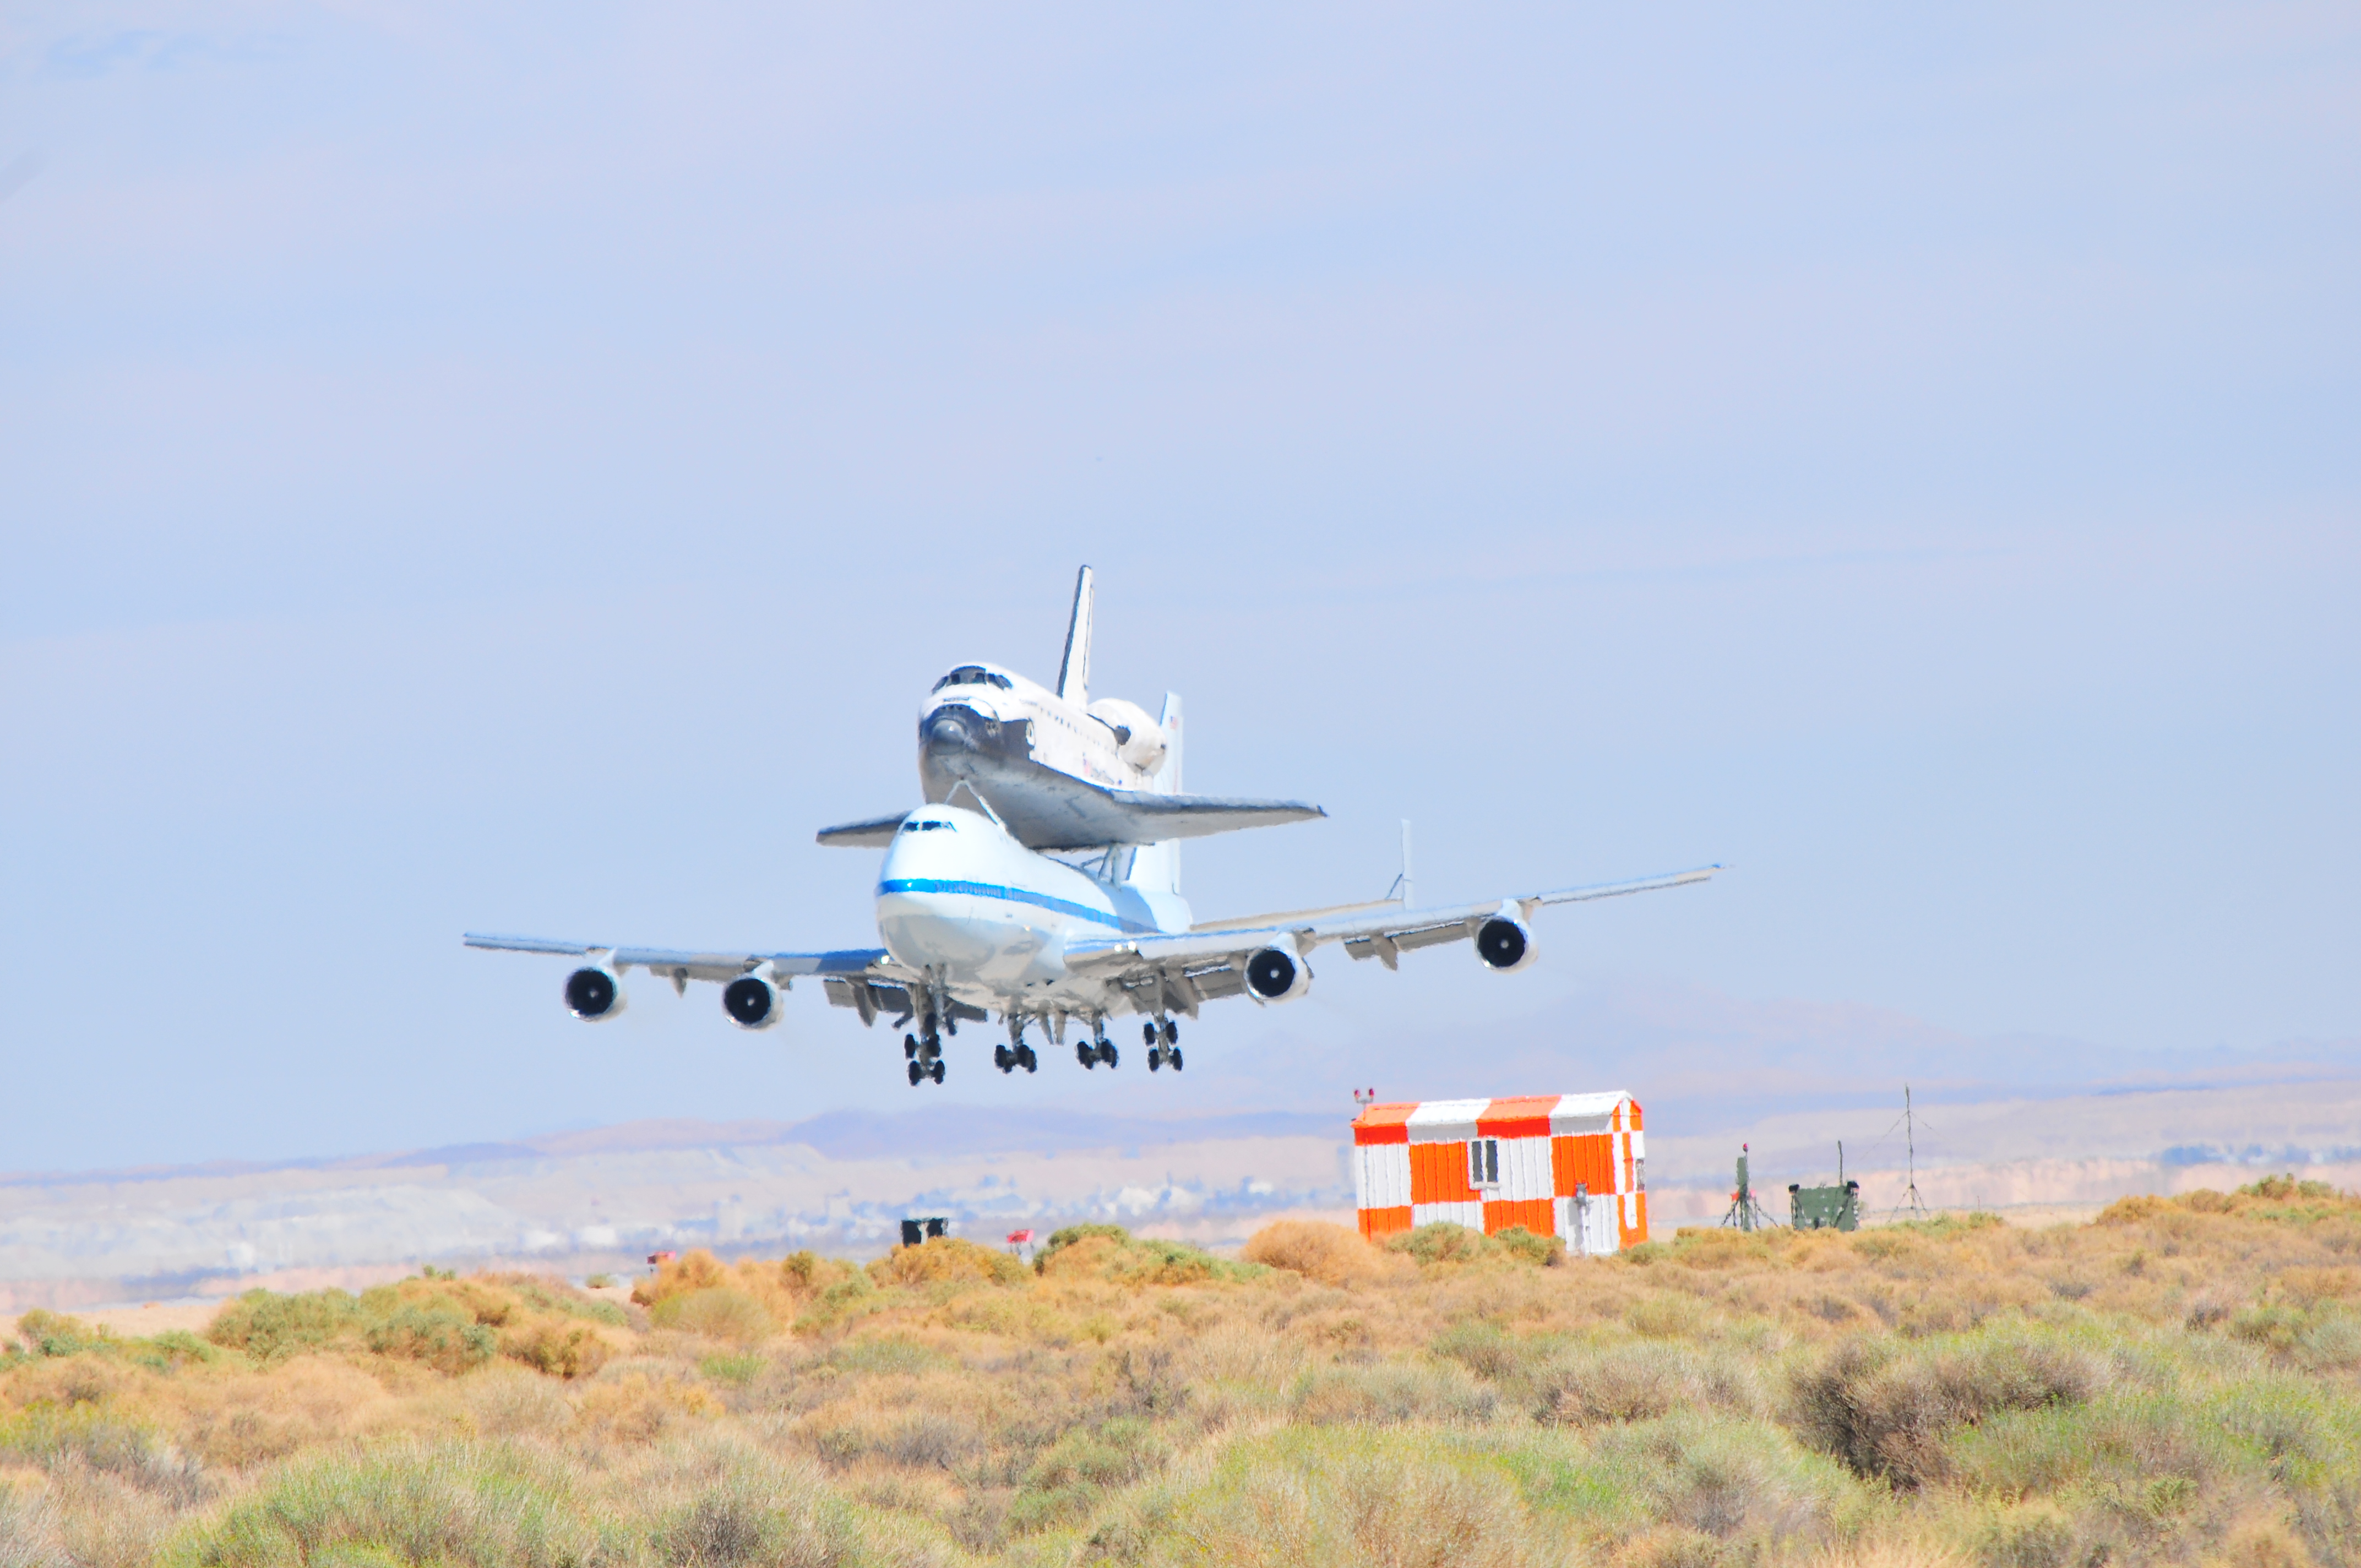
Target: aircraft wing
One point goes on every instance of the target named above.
(865, 978)
(1203, 964)
(678, 966)
(1056, 811)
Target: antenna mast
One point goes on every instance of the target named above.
(1911, 1201)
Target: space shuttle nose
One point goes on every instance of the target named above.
(948, 732)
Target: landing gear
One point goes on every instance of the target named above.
(1027, 1059)
(1148, 1038)
(1108, 1052)
(1164, 1055)
(925, 1057)
(1172, 1033)
(1086, 1053)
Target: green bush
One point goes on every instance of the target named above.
(437, 1336)
(716, 1313)
(272, 1327)
(1886, 1414)
(1442, 1243)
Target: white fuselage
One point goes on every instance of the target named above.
(989, 920)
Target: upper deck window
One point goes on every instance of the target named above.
(974, 676)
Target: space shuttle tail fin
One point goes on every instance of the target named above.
(1074, 669)
(1157, 866)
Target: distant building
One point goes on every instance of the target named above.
(1559, 1164)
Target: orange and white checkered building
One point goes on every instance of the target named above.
(1559, 1164)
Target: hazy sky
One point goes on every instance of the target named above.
(519, 468)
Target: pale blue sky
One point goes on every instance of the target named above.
(522, 473)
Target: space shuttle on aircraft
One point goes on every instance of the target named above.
(1059, 770)
(1040, 882)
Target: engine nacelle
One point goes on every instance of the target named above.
(1505, 943)
(752, 1001)
(594, 992)
(1278, 973)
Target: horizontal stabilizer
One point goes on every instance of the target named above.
(875, 834)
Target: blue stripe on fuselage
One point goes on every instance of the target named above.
(1011, 895)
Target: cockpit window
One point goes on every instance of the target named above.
(926, 827)
(974, 676)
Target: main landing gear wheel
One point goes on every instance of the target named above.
(910, 1048)
(1107, 1053)
(1027, 1059)
(1173, 1055)
(1084, 1054)
(1148, 1038)
(1155, 1056)
(1172, 1035)
(916, 1072)
(938, 1073)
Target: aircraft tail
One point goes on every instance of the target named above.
(1157, 866)
(1074, 669)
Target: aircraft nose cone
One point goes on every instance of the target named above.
(950, 731)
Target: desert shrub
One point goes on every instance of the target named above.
(634, 1407)
(437, 1336)
(1729, 1481)
(1112, 1253)
(541, 1293)
(405, 1502)
(892, 1355)
(1527, 1246)
(1636, 1382)
(85, 1436)
(757, 1513)
(508, 1401)
(716, 1312)
(171, 1350)
(1332, 1254)
(1720, 1247)
(735, 1367)
(1442, 1243)
(1390, 1393)
(942, 1259)
(695, 1270)
(270, 1328)
(1339, 1495)
(1887, 1415)
(56, 1334)
(560, 1350)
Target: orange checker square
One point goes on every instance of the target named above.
(1522, 1117)
(1375, 1223)
(1438, 1173)
(1383, 1123)
(1534, 1214)
(1588, 1159)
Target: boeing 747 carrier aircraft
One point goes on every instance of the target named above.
(980, 918)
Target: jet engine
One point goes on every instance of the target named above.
(1140, 738)
(595, 992)
(752, 1001)
(1278, 974)
(1505, 943)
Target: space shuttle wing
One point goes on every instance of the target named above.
(1382, 933)
(1057, 811)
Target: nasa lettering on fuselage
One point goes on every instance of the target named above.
(1039, 882)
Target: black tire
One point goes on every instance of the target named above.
(1174, 1056)
(1027, 1059)
(1147, 1033)
(1171, 1032)
(910, 1047)
(938, 1074)
(1108, 1054)
(914, 1072)
(1084, 1054)
(1002, 1058)
(1154, 1058)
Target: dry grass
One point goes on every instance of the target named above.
(2179, 1382)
